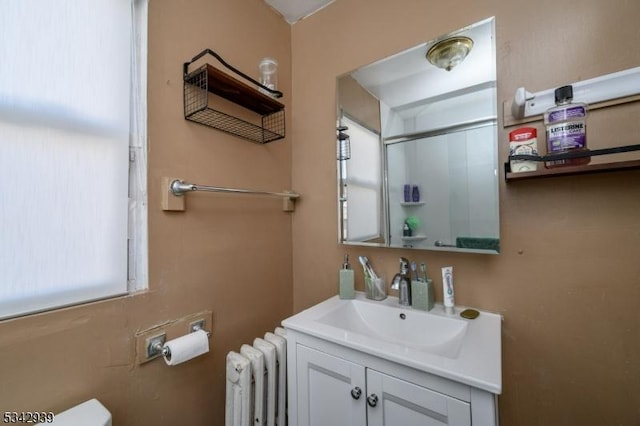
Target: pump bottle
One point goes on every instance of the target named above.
(346, 287)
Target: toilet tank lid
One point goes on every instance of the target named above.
(89, 413)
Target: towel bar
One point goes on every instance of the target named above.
(172, 187)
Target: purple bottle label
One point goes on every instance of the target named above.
(566, 136)
(407, 193)
(574, 112)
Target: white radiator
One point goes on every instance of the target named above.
(257, 382)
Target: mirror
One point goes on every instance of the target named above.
(417, 148)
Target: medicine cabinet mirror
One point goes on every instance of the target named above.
(403, 121)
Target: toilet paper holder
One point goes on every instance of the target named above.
(156, 344)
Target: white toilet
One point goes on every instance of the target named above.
(89, 413)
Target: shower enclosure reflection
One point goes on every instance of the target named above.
(455, 172)
(423, 167)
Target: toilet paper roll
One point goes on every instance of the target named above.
(186, 347)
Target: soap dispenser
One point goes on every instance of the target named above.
(346, 288)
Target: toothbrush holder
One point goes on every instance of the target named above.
(375, 289)
(422, 294)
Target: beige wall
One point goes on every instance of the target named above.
(568, 278)
(567, 281)
(230, 255)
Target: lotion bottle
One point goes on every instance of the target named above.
(346, 288)
(447, 289)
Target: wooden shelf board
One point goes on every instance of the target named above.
(574, 170)
(225, 86)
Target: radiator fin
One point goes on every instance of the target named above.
(238, 390)
(257, 410)
(281, 376)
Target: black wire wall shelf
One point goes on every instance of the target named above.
(269, 125)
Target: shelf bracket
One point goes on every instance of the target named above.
(599, 89)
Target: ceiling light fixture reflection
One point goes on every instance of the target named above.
(448, 53)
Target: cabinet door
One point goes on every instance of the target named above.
(394, 402)
(331, 390)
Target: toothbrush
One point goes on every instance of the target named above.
(364, 265)
(414, 268)
(368, 270)
(423, 267)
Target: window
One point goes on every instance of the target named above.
(363, 183)
(72, 152)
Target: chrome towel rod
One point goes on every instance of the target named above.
(179, 187)
(174, 190)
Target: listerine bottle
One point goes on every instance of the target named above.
(566, 125)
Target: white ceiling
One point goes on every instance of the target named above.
(407, 77)
(294, 10)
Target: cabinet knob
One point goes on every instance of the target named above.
(356, 392)
(372, 400)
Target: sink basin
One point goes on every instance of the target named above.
(401, 325)
(467, 351)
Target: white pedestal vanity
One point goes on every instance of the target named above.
(360, 362)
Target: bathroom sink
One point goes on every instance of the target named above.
(464, 350)
(400, 325)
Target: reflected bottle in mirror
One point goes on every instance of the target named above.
(406, 230)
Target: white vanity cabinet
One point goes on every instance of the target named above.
(331, 390)
(334, 391)
(334, 385)
(392, 401)
(361, 362)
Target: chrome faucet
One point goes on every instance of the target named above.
(402, 283)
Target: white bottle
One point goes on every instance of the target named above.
(447, 289)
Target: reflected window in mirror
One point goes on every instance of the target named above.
(361, 184)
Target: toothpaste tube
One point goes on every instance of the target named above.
(447, 289)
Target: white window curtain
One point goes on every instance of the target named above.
(364, 183)
(65, 122)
